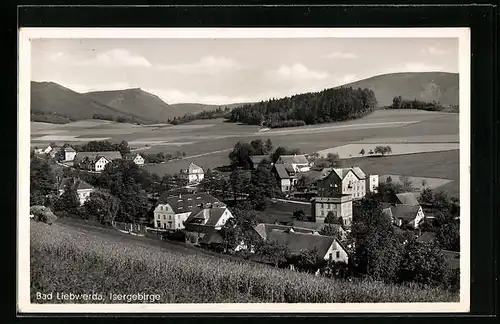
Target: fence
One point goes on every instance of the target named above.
(131, 228)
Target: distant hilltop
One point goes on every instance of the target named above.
(51, 102)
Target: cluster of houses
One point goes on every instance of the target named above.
(201, 216)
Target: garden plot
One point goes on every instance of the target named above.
(418, 183)
(353, 150)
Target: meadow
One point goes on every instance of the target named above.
(208, 142)
(66, 259)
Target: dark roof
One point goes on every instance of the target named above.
(342, 172)
(264, 229)
(256, 159)
(315, 226)
(78, 184)
(333, 198)
(290, 159)
(95, 156)
(206, 216)
(297, 242)
(188, 202)
(130, 156)
(407, 198)
(282, 171)
(212, 237)
(316, 175)
(452, 258)
(427, 237)
(407, 212)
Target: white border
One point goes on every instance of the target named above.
(24, 70)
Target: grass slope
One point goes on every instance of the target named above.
(51, 97)
(144, 105)
(66, 259)
(183, 108)
(424, 86)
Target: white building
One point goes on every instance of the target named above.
(69, 153)
(172, 211)
(136, 158)
(194, 173)
(82, 188)
(95, 161)
(298, 162)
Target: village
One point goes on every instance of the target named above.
(231, 213)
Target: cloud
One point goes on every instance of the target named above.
(348, 78)
(116, 57)
(206, 65)
(340, 55)
(82, 88)
(55, 57)
(296, 71)
(433, 51)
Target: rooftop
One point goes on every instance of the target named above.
(188, 202)
(297, 242)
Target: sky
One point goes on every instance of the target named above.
(223, 71)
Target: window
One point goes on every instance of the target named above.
(169, 217)
(161, 207)
(164, 217)
(330, 256)
(337, 255)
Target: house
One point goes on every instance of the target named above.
(351, 181)
(193, 173)
(171, 211)
(95, 161)
(82, 188)
(286, 175)
(327, 247)
(47, 149)
(55, 152)
(257, 159)
(339, 204)
(405, 215)
(317, 227)
(204, 220)
(372, 182)
(263, 229)
(406, 198)
(136, 158)
(427, 237)
(299, 162)
(69, 153)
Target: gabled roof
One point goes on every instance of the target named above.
(406, 212)
(95, 156)
(264, 229)
(78, 184)
(342, 172)
(69, 149)
(297, 242)
(206, 216)
(256, 159)
(427, 237)
(188, 202)
(283, 172)
(187, 166)
(131, 156)
(316, 226)
(316, 175)
(293, 159)
(407, 198)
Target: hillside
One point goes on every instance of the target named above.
(424, 86)
(134, 102)
(55, 100)
(180, 109)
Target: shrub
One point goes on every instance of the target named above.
(43, 214)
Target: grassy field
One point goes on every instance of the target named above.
(430, 165)
(66, 259)
(352, 150)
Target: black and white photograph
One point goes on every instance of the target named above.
(244, 170)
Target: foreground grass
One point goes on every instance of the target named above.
(66, 260)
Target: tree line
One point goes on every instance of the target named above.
(50, 117)
(219, 112)
(326, 106)
(399, 103)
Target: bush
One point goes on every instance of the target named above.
(177, 235)
(43, 214)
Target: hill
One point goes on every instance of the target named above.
(136, 102)
(423, 86)
(52, 102)
(181, 109)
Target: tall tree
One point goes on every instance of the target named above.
(42, 180)
(102, 206)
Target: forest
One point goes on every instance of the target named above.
(326, 106)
